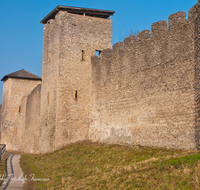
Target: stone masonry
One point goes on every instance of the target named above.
(69, 42)
(15, 90)
(143, 91)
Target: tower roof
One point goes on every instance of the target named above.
(78, 10)
(22, 74)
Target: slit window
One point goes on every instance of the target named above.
(98, 53)
(83, 55)
(75, 95)
(20, 109)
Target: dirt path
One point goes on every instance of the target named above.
(15, 179)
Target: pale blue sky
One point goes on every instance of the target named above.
(21, 34)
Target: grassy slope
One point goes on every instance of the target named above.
(3, 168)
(89, 165)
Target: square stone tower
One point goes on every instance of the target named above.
(16, 88)
(71, 37)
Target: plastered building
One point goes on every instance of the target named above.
(143, 91)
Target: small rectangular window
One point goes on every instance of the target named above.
(75, 95)
(20, 109)
(98, 53)
(83, 56)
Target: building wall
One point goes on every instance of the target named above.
(49, 84)
(143, 90)
(14, 91)
(196, 12)
(32, 132)
(19, 142)
(70, 40)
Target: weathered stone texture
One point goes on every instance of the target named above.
(143, 90)
(195, 13)
(32, 132)
(49, 84)
(19, 141)
(69, 42)
(13, 104)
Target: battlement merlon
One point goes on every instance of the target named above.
(78, 10)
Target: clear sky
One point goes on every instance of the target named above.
(21, 34)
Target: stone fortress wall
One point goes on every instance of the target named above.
(69, 42)
(32, 129)
(144, 88)
(144, 91)
(15, 92)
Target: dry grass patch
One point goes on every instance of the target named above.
(87, 165)
(3, 168)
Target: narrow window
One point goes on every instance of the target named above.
(75, 95)
(48, 98)
(20, 109)
(83, 56)
(98, 53)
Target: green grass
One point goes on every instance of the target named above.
(184, 160)
(3, 168)
(87, 165)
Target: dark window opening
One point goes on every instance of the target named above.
(98, 53)
(83, 56)
(20, 109)
(76, 95)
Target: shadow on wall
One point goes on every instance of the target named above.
(196, 12)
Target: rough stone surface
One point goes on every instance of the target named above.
(69, 42)
(32, 132)
(13, 112)
(143, 91)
